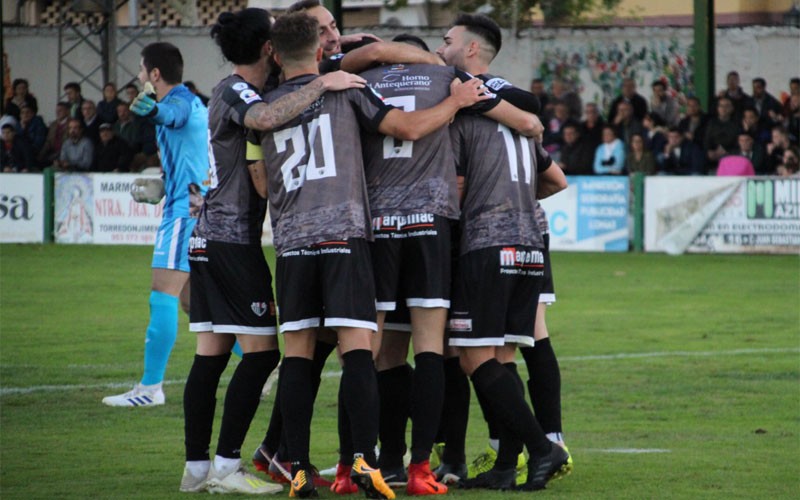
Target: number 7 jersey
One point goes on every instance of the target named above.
(317, 188)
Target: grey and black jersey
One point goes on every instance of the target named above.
(406, 177)
(233, 211)
(317, 189)
(499, 167)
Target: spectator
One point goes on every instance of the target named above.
(775, 149)
(790, 166)
(626, 123)
(639, 158)
(592, 125)
(126, 127)
(655, 137)
(112, 153)
(793, 120)
(131, 91)
(752, 125)
(56, 134)
(794, 89)
(754, 152)
(721, 133)
(766, 105)
(630, 96)
(739, 99)
(21, 97)
(693, 125)
(107, 108)
(33, 129)
(537, 89)
(193, 88)
(609, 159)
(577, 154)
(560, 91)
(682, 156)
(663, 104)
(553, 138)
(91, 122)
(77, 152)
(74, 98)
(9, 120)
(16, 153)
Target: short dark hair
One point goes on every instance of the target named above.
(760, 80)
(78, 120)
(64, 104)
(167, 58)
(675, 129)
(482, 26)
(303, 5)
(659, 83)
(295, 36)
(18, 81)
(72, 85)
(241, 35)
(733, 73)
(131, 86)
(656, 118)
(750, 108)
(412, 40)
(794, 80)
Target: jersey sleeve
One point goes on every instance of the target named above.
(331, 64)
(543, 159)
(479, 107)
(522, 99)
(370, 107)
(173, 112)
(240, 97)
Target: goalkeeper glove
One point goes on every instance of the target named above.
(144, 104)
(148, 190)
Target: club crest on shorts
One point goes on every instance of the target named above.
(259, 308)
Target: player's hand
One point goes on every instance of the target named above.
(342, 80)
(144, 104)
(470, 92)
(148, 190)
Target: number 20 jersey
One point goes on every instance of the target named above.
(317, 189)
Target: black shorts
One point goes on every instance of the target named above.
(231, 288)
(411, 260)
(547, 295)
(328, 284)
(495, 296)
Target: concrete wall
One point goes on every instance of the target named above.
(597, 58)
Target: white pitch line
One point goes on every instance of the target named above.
(628, 450)
(6, 391)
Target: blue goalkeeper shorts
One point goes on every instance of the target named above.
(172, 244)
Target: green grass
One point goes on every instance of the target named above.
(697, 355)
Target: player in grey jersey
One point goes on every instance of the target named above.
(501, 262)
(231, 291)
(317, 198)
(413, 199)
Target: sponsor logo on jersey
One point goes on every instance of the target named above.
(461, 325)
(400, 222)
(197, 243)
(259, 308)
(246, 94)
(513, 257)
(497, 84)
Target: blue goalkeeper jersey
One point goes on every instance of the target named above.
(182, 136)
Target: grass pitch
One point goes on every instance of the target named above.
(681, 378)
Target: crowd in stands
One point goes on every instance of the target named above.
(744, 134)
(84, 137)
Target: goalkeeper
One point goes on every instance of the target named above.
(182, 134)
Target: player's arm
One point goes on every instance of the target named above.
(263, 116)
(524, 123)
(254, 156)
(172, 112)
(410, 126)
(365, 57)
(550, 178)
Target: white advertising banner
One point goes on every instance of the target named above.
(722, 215)
(590, 215)
(98, 209)
(21, 208)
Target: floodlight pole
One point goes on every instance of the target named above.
(704, 52)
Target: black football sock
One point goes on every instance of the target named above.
(242, 398)
(345, 434)
(273, 437)
(199, 402)
(297, 404)
(394, 387)
(502, 393)
(488, 416)
(544, 384)
(455, 412)
(426, 403)
(360, 393)
(322, 351)
(510, 446)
